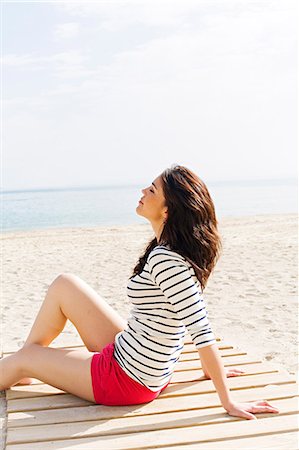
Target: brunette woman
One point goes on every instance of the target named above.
(131, 362)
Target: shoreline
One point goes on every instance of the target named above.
(123, 226)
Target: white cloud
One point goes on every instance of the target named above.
(69, 65)
(220, 92)
(14, 60)
(71, 57)
(118, 15)
(115, 15)
(66, 30)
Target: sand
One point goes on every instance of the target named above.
(251, 295)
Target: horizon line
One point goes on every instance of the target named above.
(111, 186)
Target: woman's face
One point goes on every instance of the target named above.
(152, 203)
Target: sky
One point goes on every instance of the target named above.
(113, 92)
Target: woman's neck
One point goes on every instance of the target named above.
(158, 228)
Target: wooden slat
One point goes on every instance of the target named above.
(236, 360)
(194, 375)
(227, 361)
(241, 382)
(143, 440)
(46, 402)
(175, 389)
(40, 389)
(223, 352)
(273, 441)
(192, 362)
(152, 409)
(188, 414)
(139, 424)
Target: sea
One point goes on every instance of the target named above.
(23, 210)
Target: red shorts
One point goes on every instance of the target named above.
(112, 386)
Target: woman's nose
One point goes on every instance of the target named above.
(143, 191)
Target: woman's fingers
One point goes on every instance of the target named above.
(263, 402)
(266, 405)
(240, 412)
(262, 407)
(247, 410)
(246, 414)
(234, 372)
(265, 409)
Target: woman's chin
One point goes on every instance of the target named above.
(139, 211)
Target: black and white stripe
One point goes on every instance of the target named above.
(166, 300)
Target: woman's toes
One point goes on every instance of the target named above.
(24, 381)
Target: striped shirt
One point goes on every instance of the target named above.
(166, 300)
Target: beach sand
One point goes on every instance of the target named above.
(251, 295)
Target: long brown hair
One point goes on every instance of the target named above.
(191, 226)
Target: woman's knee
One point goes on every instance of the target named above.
(24, 358)
(62, 284)
(63, 278)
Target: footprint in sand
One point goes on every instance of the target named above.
(267, 321)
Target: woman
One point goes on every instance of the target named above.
(132, 362)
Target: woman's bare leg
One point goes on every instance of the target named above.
(69, 297)
(68, 370)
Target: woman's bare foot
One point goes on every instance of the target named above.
(24, 381)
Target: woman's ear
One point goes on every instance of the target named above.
(165, 214)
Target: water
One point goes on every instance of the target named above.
(109, 206)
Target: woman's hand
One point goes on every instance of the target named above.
(247, 410)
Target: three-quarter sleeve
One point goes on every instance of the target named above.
(170, 272)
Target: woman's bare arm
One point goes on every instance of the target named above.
(205, 369)
(230, 372)
(211, 360)
(213, 367)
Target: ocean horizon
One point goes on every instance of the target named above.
(90, 206)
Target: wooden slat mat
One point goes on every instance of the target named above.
(187, 414)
